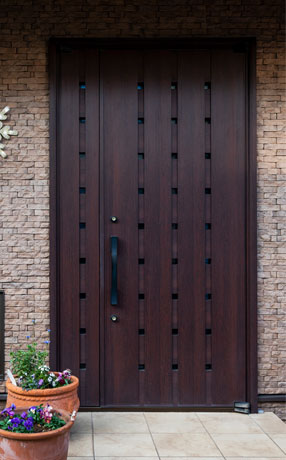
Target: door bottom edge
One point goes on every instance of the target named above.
(183, 408)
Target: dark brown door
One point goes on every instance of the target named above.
(152, 254)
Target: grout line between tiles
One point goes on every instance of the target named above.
(151, 435)
(198, 418)
(211, 438)
(92, 436)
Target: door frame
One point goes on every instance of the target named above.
(246, 45)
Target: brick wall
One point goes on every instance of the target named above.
(26, 26)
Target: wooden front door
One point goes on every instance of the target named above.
(152, 212)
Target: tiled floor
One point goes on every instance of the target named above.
(173, 436)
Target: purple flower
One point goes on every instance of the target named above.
(28, 424)
(40, 383)
(9, 412)
(24, 415)
(16, 422)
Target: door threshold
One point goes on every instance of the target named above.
(214, 408)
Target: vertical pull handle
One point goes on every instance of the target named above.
(113, 250)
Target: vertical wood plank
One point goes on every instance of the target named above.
(92, 227)
(120, 166)
(194, 71)
(228, 226)
(158, 251)
(68, 198)
(82, 211)
(251, 231)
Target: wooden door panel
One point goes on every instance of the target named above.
(119, 127)
(68, 226)
(228, 195)
(91, 331)
(78, 153)
(193, 74)
(158, 226)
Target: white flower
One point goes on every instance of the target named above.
(44, 368)
(50, 379)
(52, 374)
(54, 383)
(5, 131)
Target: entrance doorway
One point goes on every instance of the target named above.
(152, 250)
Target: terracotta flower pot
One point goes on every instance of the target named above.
(51, 445)
(64, 397)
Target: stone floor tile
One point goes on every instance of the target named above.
(246, 445)
(253, 458)
(225, 423)
(280, 440)
(269, 423)
(114, 422)
(194, 458)
(185, 444)
(120, 445)
(82, 423)
(174, 422)
(80, 445)
(125, 436)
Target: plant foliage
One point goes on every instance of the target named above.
(36, 420)
(32, 372)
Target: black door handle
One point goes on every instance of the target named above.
(113, 250)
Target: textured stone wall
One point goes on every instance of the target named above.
(26, 26)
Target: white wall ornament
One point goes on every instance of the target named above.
(5, 131)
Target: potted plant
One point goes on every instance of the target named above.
(37, 432)
(32, 382)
